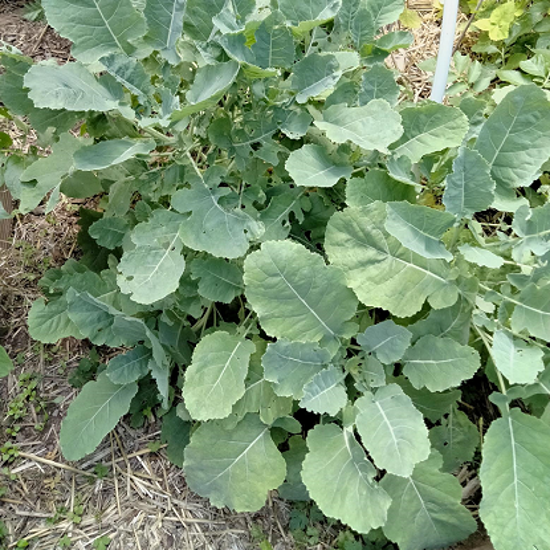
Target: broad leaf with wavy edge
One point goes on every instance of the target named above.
(152, 269)
(532, 311)
(296, 295)
(470, 187)
(291, 365)
(425, 511)
(392, 430)
(165, 24)
(439, 363)
(129, 367)
(222, 232)
(96, 27)
(419, 228)
(214, 381)
(517, 360)
(234, 467)
(336, 461)
(355, 124)
(325, 393)
(515, 139)
(110, 153)
(219, 280)
(71, 87)
(311, 166)
(430, 128)
(93, 414)
(381, 271)
(386, 340)
(514, 475)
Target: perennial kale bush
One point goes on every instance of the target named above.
(314, 275)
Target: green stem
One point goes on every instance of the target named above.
(456, 236)
(159, 136)
(485, 339)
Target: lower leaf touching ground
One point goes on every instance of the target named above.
(234, 468)
(340, 478)
(515, 476)
(93, 414)
(425, 513)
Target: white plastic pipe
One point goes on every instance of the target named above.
(448, 28)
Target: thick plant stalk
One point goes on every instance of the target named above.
(450, 11)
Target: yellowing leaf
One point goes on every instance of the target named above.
(410, 19)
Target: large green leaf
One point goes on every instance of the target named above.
(378, 83)
(49, 322)
(220, 231)
(439, 363)
(210, 83)
(109, 153)
(470, 187)
(456, 439)
(92, 415)
(425, 512)
(6, 365)
(386, 340)
(392, 430)
(176, 434)
(291, 365)
(274, 47)
(363, 18)
(532, 311)
(314, 75)
(296, 295)
(515, 139)
(377, 185)
(198, 22)
(219, 281)
(234, 468)
(373, 126)
(533, 228)
(325, 393)
(71, 87)
(109, 232)
(48, 171)
(430, 128)
(214, 381)
(380, 270)
(518, 361)
(129, 367)
(96, 27)
(311, 166)
(165, 24)
(276, 216)
(131, 74)
(152, 270)
(340, 479)
(419, 228)
(514, 473)
(259, 396)
(309, 13)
